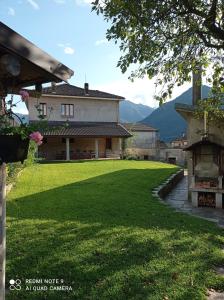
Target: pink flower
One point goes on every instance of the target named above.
(36, 137)
(24, 95)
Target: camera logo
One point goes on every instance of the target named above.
(15, 284)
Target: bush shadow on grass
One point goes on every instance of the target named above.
(110, 239)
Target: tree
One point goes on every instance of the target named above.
(167, 39)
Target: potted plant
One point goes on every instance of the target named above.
(15, 135)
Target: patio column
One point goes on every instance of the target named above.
(67, 149)
(120, 147)
(96, 148)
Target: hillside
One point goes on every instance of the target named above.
(167, 120)
(131, 112)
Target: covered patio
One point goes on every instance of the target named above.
(82, 140)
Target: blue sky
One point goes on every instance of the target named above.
(70, 32)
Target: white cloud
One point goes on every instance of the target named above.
(33, 4)
(101, 42)
(140, 91)
(83, 2)
(69, 50)
(11, 11)
(60, 1)
(88, 2)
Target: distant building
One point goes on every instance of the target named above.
(144, 141)
(173, 152)
(179, 142)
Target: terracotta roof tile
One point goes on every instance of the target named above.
(86, 129)
(72, 90)
(138, 127)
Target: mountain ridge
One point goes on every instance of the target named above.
(165, 118)
(131, 112)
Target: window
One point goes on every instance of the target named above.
(67, 110)
(109, 143)
(43, 109)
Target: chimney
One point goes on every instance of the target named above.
(197, 82)
(86, 88)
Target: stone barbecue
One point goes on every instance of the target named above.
(205, 153)
(206, 175)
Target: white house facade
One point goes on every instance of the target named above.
(83, 123)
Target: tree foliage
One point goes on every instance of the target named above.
(167, 39)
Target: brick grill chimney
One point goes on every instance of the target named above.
(196, 85)
(86, 88)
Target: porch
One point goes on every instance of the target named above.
(75, 148)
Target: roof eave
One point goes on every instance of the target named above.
(82, 97)
(21, 47)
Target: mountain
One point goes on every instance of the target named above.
(165, 118)
(131, 112)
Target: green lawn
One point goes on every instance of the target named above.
(97, 226)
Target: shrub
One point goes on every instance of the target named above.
(13, 169)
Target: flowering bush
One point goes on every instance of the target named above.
(7, 121)
(36, 137)
(24, 95)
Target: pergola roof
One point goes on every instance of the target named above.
(36, 66)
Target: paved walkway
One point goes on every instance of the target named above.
(178, 198)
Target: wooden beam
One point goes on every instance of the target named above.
(2, 229)
(14, 43)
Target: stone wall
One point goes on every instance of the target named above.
(178, 154)
(142, 144)
(168, 186)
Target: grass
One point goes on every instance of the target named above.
(96, 226)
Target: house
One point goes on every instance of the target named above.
(179, 142)
(83, 123)
(173, 152)
(143, 143)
